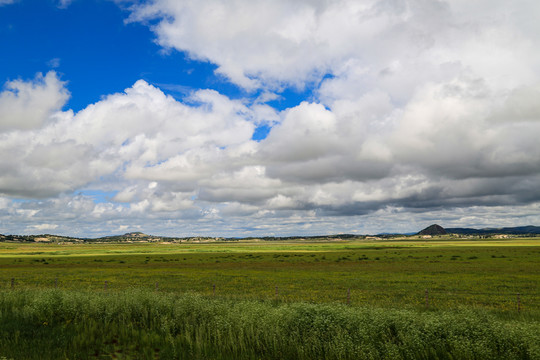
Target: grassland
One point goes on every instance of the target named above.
(162, 296)
(134, 324)
(487, 274)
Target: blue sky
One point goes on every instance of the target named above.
(91, 47)
(267, 117)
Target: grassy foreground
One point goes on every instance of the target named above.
(69, 324)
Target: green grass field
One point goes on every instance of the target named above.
(134, 324)
(484, 274)
(351, 299)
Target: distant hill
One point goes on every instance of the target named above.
(133, 236)
(433, 230)
(518, 230)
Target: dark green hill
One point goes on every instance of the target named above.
(433, 230)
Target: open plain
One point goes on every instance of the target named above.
(385, 273)
(205, 300)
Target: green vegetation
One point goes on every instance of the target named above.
(378, 273)
(57, 324)
(279, 299)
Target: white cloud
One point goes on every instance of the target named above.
(64, 4)
(26, 105)
(258, 43)
(42, 227)
(430, 111)
(454, 145)
(54, 63)
(393, 44)
(141, 134)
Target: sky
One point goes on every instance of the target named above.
(268, 117)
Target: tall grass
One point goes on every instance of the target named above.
(61, 324)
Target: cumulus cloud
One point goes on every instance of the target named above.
(415, 86)
(420, 110)
(195, 161)
(42, 227)
(393, 44)
(141, 134)
(28, 104)
(265, 43)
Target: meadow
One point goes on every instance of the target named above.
(417, 298)
(487, 274)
